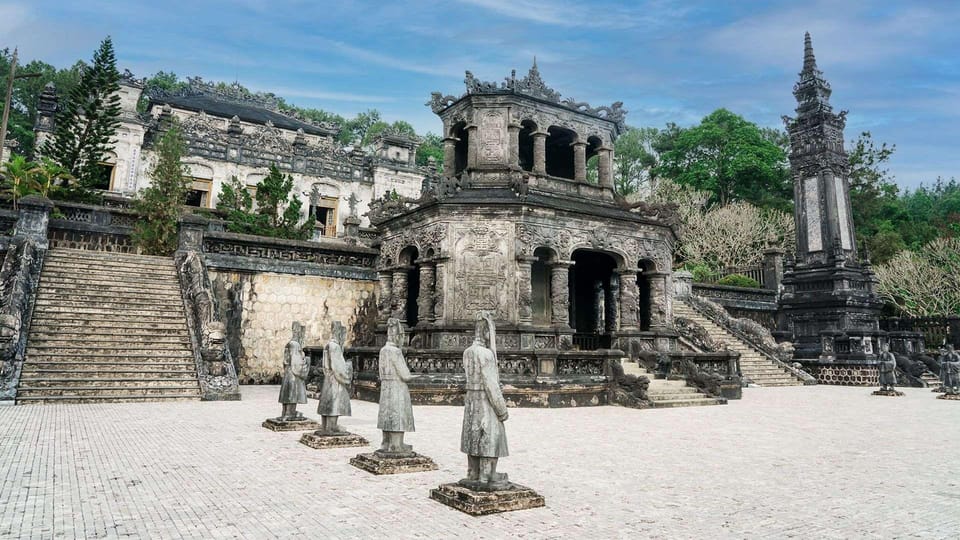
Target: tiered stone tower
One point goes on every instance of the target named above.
(828, 303)
(517, 227)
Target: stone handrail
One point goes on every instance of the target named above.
(751, 332)
(19, 276)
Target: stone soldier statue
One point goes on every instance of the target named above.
(483, 438)
(335, 393)
(396, 412)
(950, 371)
(888, 369)
(293, 388)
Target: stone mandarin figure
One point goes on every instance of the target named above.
(888, 369)
(950, 371)
(483, 437)
(335, 394)
(293, 388)
(396, 411)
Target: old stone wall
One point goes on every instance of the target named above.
(269, 302)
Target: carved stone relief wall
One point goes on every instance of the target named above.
(483, 273)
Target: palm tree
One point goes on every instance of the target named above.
(19, 177)
(49, 174)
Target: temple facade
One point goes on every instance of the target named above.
(231, 132)
(829, 305)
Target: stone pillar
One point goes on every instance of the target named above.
(513, 131)
(385, 295)
(525, 290)
(400, 293)
(598, 306)
(33, 219)
(560, 289)
(612, 305)
(471, 147)
(579, 161)
(438, 280)
(658, 299)
(605, 167)
(540, 152)
(449, 155)
(682, 284)
(425, 295)
(628, 299)
(772, 268)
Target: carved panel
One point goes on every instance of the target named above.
(493, 139)
(481, 279)
(811, 204)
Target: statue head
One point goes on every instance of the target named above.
(298, 332)
(395, 332)
(338, 332)
(485, 328)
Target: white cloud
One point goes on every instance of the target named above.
(583, 14)
(13, 17)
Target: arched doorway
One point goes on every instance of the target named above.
(647, 267)
(409, 259)
(461, 149)
(541, 286)
(559, 152)
(594, 293)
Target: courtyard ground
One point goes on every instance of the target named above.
(808, 462)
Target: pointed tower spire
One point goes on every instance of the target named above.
(809, 60)
(812, 90)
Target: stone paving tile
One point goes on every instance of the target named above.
(797, 462)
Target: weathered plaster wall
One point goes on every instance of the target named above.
(270, 302)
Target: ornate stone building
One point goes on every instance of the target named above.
(829, 304)
(515, 228)
(235, 133)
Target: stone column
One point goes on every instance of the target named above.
(658, 300)
(385, 296)
(560, 288)
(438, 280)
(33, 219)
(579, 161)
(525, 290)
(598, 306)
(605, 167)
(449, 155)
(628, 299)
(772, 268)
(513, 131)
(471, 147)
(540, 152)
(425, 295)
(400, 293)
(612, 304)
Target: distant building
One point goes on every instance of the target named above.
(236, 133)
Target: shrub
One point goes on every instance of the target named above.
(739, 280)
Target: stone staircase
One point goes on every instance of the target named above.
(930, 379)
(108, 327)
(753, 364)
(664, 393)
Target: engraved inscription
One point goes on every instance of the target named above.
(842, 214)
(492, 137)
(811, 203)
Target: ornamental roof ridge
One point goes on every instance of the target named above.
(532, 85)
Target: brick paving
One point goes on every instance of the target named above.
(808, 462)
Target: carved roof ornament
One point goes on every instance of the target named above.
(532, 85)
(812, 90)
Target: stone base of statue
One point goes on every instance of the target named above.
(887, 392)
(290, 424)
(393, 462)
(949, 396)
(332, 439)
(938, 389)
(482, 502)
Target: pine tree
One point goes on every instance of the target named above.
(280, 208)
(88, 123)
(160, 204)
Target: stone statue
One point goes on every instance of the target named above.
(483, 438)
(887, 366)
(664, 365)
(396, 411)
(950, 371)
(335, 394)
(293, 388)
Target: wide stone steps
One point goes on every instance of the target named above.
(753, 364)
(108, 327)
(664, 393)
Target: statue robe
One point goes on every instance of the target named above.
(483, 434)
(335, 394)
(888, 369)
(396, 411)
(293, 388)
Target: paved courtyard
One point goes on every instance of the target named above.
(816, 462)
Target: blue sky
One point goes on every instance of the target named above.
(893, 64)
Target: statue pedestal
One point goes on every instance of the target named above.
(279, 424)
(481, 503)
(379, 463)
(949, 396)
(891, 393)
(938, 389)
(340, 439)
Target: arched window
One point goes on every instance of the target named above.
(460, 132)
(527, 129)
(559, 152)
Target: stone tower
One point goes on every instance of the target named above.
(46, 115)
(829, 304)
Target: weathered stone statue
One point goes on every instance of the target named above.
(396, 413)
(887, 366)
(950, 374)
(293, 387)
(483, 437)
(664, 365)
(334, 396)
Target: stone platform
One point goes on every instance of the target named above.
(378, 463)
(278, 424)
(949, 396)
(342, 439)
(891, 393)
(481, 503)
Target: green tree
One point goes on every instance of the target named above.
(431, 147)
(89, 120)
(635, 159)
(234, 197)
(730, 158)
(160, 205)
(19, 177)
(278, 210)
